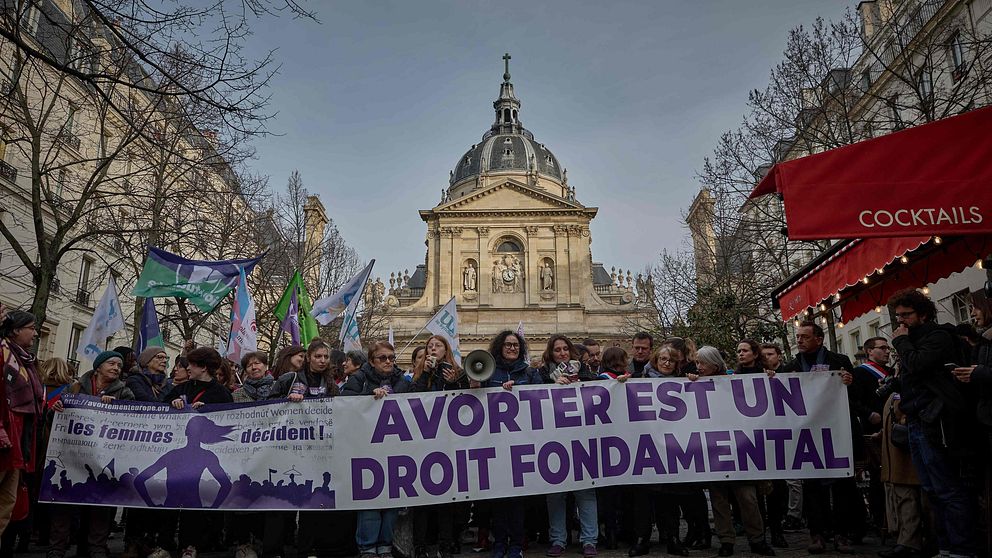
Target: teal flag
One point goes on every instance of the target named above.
(203, 283)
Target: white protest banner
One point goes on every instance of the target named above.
(475, 444)
(424, 448)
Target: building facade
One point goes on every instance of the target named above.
(510, 242)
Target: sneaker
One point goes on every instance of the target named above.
(589, 550)
(189, 552)
(245, 551)
(159, 552)
(555, 551)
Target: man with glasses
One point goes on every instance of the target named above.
(595, 354)
(939, 419)
(832, 506)
(868, 406)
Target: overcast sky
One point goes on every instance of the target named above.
(379, 101)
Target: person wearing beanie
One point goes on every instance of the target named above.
(147, 383)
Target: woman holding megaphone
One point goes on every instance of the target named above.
(434, 533)
(510, 368)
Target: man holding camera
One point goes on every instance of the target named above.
(940, 437)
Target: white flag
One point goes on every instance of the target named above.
(107, 320)
(349, 327)
(445, 324)
(392, 340)
(326, 309)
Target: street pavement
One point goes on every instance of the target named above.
(797, 543)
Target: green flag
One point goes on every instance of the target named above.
(308, 325)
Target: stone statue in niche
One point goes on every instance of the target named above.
(547, 277)
(470, 278)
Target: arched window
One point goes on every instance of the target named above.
(506, 115)
(508, 246)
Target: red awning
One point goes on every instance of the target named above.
(951, 256)
(842, 269)
(933, 179)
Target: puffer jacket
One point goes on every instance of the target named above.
(368, 379)
(320, 382)
(433, 380)
(519, 371)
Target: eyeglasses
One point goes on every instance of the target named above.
(511, 345)
(905, 314)
(666, 359)
(162, 357)
(384, 358)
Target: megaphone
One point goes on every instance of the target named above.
(479, 365)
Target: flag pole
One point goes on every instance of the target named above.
(414, 338)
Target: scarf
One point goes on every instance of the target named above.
(258, 389)
(821, 358)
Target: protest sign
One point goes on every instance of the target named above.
(423, 448)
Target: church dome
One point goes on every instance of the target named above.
(507, 146)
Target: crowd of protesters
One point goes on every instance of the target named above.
(921, 417)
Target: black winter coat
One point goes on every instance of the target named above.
(368, 379)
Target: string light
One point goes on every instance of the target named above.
(881, 271)
(926, 290)
(865, 280)
(979, 264)
(937, 240)
(823, 308)
(904, 259)
(823, 320)
(840, 325)
(878, 309)
(796, 323)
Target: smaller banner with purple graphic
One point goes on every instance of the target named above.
(268, 456)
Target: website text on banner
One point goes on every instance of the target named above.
(415, 449)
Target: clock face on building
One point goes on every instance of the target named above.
(508, 275)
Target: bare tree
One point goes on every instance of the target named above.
(92, 95)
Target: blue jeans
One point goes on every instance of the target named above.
(585, 500)
(375, 531)
(954, 507)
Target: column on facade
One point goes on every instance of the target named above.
(564, 268)
(485, 268)
(532, 255)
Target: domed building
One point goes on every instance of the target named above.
(510, 241)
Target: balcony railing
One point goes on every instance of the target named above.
(70, 140)
(83, 297)
(8, 171)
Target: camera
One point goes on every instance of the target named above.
(887, 387)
